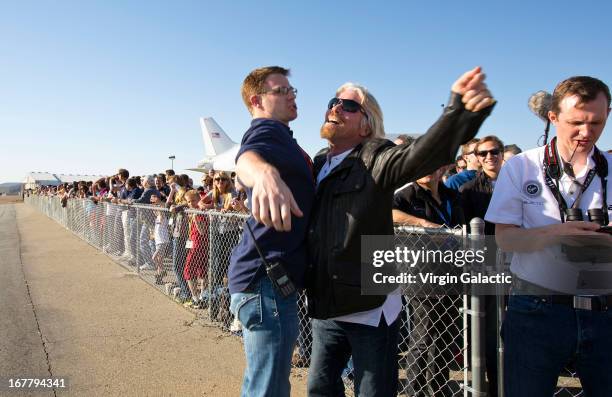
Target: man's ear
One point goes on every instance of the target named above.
(255, 101)
(365, 128)
(552, 116)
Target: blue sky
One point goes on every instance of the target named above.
(88, 87)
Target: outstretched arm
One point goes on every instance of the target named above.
(469, 105)
(272, 202)
(404, 218)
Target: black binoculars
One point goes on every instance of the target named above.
(595, 215)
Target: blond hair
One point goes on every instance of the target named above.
(373, 112)
(189, 194)
(225, 197)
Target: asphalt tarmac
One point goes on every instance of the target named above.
(69, 312)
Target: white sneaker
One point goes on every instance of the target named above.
(127, 258)
(175, 292)
(236, 326)
(147, 266)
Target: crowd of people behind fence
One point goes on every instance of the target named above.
(149, 213)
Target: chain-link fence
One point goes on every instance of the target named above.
(432, 349)
(186, 256)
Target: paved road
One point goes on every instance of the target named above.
(68, 311)
(21, 347)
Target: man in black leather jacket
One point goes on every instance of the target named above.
(356, 178)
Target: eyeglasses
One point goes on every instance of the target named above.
(484, 153)
(348, 105)
(281, 91)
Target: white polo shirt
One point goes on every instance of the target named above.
(522, 198)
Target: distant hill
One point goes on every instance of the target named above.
(10, 188)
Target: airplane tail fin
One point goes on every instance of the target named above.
(215, 139)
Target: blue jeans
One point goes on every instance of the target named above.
(539, 340)
(146, 256)
(133, 233)
(179, 256)
(269, 331)
(374, 351)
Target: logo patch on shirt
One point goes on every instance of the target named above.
(532, 188)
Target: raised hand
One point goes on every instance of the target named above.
(473, 90)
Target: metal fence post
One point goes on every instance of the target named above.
(212, 224)
(500, 310)
(477, 323)
(136, 240)
(104, 230)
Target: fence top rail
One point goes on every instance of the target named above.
(459, 231)
(146, 206)
(239, 215)
(456, 231)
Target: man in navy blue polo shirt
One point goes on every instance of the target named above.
(268, 151)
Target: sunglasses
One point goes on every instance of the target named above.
(483, 153)
(348, 105)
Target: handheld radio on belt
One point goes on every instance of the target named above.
(276, 271)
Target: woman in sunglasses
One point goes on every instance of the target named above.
(224, 234)
(221, 194)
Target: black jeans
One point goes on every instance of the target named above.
(435, 338)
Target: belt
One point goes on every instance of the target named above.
(600, 303)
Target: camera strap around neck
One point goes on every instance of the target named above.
(553, 171)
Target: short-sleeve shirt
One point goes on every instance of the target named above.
(522, 198)
(273, 141)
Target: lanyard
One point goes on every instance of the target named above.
(552, 170)
(446, 217)
(439, 208)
